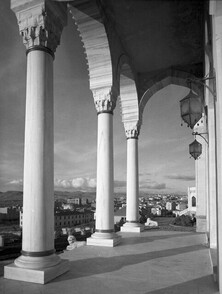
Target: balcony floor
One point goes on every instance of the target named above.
(154, 262)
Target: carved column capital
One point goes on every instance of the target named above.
(105, 100)
(41, 25)
(132, 132)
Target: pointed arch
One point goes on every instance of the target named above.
(129, 103)
(89, 22)
(168, 77)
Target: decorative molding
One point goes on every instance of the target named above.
(42, 24)
(37, 253)
(104, 231)
(105, 100)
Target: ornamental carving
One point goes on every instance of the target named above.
(41, 25)
(132, 133)
(105, 100)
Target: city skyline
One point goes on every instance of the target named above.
(164, 164)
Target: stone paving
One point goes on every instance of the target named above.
(151, 262)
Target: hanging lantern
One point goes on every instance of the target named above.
(191, 109)
(195, 149)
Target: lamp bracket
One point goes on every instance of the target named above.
(201, 81)
(200, 134)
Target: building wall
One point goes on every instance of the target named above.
(9, 214)
(192, 193)
(69, 218)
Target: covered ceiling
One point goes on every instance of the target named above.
(159, 34)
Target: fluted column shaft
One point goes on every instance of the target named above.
(104, 193)
(38, 215)
(104, 235)
(40, 27)
(216, 11)
(132, 189)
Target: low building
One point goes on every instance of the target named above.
(69, 218)
(170, 205)
(76, 200)
(69, 206)
(156, 210)
(9, 215)
(192, 200)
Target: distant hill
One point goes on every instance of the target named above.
(12, 198)
(11, 195)
(66, 194)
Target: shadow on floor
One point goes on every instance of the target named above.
(140, 239)
(203, 285)
(100, 265)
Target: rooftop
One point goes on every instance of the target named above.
(154, 262)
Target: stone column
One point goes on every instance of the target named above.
(216, 12)
(104, 233)
(132, 191)
(201, 167)
(40, 26)
(212, 169)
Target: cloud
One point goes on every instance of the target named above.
(119, 184)
(79, 183)
(157, 186)
(16, 182)
(180, 177)
(76, 183)
(142, 174)
(153, 185)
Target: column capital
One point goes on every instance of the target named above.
(40, 24)
(132, 129)
(105, 100)
(132, 132)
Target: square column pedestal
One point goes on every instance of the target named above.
(104, 239)
(132, 227)
(39, 276)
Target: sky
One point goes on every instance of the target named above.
(165, 165)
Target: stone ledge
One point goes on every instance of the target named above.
(129, 229)
(112, 242)
(41, 276)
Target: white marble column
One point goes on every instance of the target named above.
(38, 261)
(104, 232)
(132, 192)
(212, 169)
(201, 168)
(216, 11)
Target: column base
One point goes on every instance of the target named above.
(104, 239)
(39, 276)
(30, 262)
(132, 227)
